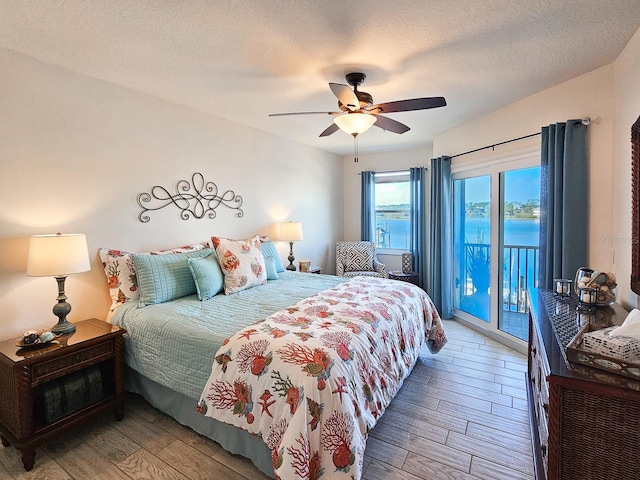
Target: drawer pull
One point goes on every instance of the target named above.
(78, 359)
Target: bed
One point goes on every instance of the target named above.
(292, 372)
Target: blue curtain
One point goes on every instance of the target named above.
(440, 281)
(418, 227)
(563, 201)
(367, 206)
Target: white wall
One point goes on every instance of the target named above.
(75, 153)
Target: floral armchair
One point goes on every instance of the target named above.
(358, 258)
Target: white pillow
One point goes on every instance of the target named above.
(242, 263)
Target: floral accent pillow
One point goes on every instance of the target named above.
(121, 273)
(242, 263)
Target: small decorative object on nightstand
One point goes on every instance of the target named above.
(411, 277)
(305, 265)
(49, 389)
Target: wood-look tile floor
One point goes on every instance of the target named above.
(461, 415)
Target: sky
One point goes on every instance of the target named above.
(392, 193)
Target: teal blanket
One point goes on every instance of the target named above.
(174, 343)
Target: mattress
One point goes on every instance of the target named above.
(173, 343)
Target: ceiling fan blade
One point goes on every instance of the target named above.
(390, 125)
(346, 96)
(409, 105)
(329, 130)
(303, 113)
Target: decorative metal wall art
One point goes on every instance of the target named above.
(195, 199)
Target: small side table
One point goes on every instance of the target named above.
(31, 378)
(410, 277)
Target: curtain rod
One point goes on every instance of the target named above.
(496, 144)
(585, 121)
(402, 171)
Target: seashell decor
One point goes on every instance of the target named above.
(605, 282)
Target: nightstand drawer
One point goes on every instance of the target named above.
(59, 366)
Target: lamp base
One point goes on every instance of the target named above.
(61, 310)
(63, 328)
(291, 258)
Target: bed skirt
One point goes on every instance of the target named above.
(183, 409)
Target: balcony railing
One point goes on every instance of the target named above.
(519, 273)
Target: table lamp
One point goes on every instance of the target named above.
(290, 232)
(58, 256)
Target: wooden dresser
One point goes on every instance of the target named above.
(585, 422)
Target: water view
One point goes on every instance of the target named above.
(394, 232)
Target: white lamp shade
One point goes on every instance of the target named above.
(57, 255)
(355, 123)
(290, 232)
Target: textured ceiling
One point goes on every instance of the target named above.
(241, 59)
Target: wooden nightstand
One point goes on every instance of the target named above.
(49, 389)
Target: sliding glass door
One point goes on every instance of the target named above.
(520, 228)
(472, 248)
(496, 224)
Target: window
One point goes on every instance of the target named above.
(393, 212)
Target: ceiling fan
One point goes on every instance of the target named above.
(358, 112)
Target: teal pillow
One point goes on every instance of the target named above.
(269, 250)
(165, 277)
(272, 273)
(207, 275)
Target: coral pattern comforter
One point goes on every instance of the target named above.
(312, 379)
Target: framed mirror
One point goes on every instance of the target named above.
(635, 207)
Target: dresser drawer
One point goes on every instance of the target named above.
(539, 373)
(63, 364)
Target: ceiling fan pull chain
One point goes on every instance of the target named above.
(355, 148)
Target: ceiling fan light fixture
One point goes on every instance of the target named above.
(355, 123)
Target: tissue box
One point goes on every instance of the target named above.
(599, 341)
